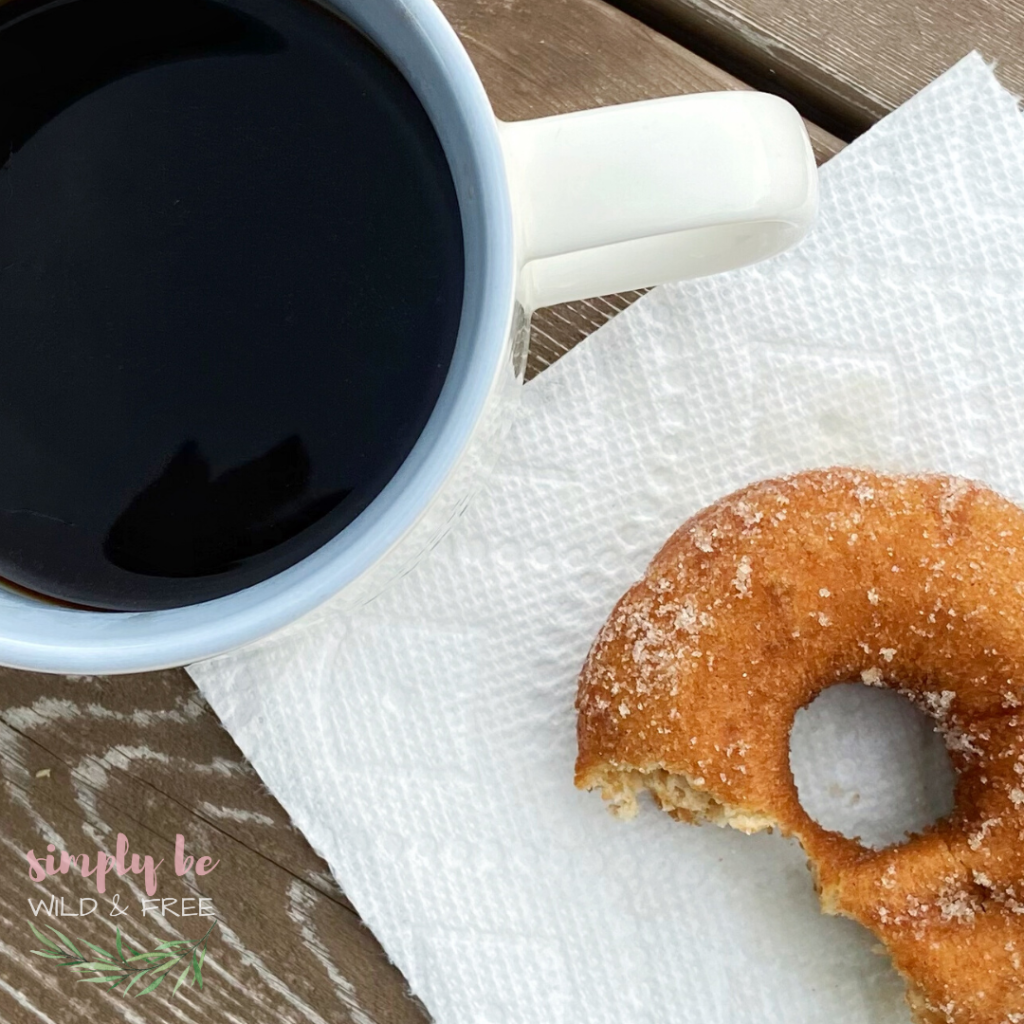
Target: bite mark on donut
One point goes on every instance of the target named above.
(682, 797)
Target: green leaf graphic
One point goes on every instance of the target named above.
(43, 938)
(151, 987)
(63, 938)
(185, 971)
(146, 969)
(96, 949)
(131, 981)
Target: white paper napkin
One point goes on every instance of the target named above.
(425, 745)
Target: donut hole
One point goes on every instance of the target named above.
(870, 765)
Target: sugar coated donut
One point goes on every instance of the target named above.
(758, 603)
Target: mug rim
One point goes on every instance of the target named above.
(416, 37)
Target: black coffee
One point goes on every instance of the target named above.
(231, 275)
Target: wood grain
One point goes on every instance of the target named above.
(853, 61)
(82, 759)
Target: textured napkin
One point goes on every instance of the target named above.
(425, 744)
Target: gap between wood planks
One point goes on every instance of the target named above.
(751, 56)
(843, 65)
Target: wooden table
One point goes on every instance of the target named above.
(83, 759)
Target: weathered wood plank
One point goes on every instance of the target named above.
(854, 60)
(82, 759)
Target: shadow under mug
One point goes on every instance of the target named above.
(552, 210)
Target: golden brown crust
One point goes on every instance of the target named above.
(761, 601)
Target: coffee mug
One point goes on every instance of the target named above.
(552, 210)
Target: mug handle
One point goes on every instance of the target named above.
(623, 197)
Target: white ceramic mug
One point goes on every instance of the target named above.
(552, 210)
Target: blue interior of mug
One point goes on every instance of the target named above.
(39, 635)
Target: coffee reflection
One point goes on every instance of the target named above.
(190, 523)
